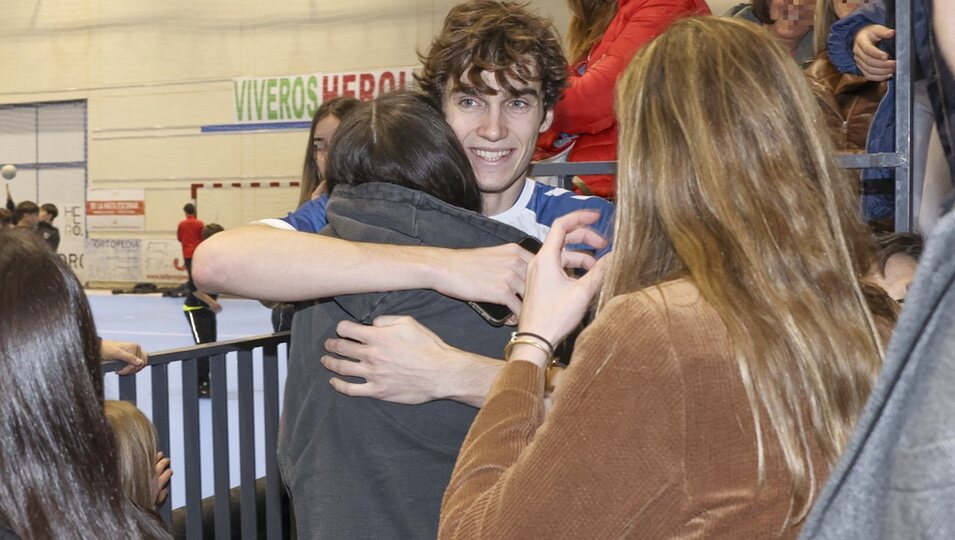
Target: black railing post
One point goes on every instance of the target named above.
(193, 462)
(220, 446)
(247, 444)
(127, 388)
(160, 390)
(273, 483)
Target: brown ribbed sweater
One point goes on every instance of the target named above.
(650, 436)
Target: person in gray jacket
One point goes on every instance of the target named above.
(896, 478)
(358, 467)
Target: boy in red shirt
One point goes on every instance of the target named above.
(189, 235)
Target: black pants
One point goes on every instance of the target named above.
(202, 324)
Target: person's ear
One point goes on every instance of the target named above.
(548, 120)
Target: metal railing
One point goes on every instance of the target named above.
(900, 160)
(191, 467)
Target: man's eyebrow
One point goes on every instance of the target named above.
(516, 93)
(526, 91)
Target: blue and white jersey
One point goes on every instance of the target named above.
(310, 217)
(534, 212)
(539, 205)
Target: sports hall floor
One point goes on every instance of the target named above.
(158, 324)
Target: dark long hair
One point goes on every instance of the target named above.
(58, 472)
(402, 138)
(311, 176)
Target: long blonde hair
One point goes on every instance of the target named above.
(823, 17)
(589, 20)
(136, 450)
(727, 177)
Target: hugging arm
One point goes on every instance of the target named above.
(404, 362)
(258, 261)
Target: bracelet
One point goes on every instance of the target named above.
(520, 341)
(537, 337)
(528, 338)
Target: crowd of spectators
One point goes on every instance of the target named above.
(731, 340)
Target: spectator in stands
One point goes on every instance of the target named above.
(856, 46)
(200, 309)
(50, 234)
(26, 215)
(6, 219)
(899, 255)
(57, 458)
(728, 362)
(324, 123)
(144, 471)
(314, 194)
(397, 174)
(189, 234)
(789, 21)
(603, 37)
(848, 101)
(44, 219)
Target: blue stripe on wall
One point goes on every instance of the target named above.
(220, 128)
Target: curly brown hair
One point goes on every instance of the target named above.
(503, 38)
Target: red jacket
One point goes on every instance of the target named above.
(189, 235)
(586, 108)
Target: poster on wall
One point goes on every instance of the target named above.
(296, 97)
(113, 260)
(112, 210)
(71, 224)
(162, 261)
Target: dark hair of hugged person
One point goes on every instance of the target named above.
(58, 472)
(402, 138)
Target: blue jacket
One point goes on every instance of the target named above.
(880, 199)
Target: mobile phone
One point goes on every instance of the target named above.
(497, 314)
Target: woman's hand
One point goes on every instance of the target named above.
(162, 473)
(555, 303)
(874, 63)
(130, 353)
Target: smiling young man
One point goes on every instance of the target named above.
(496, 70)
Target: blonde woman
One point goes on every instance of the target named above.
(144, 471)
(733, 348)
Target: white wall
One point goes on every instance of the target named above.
(154, 72)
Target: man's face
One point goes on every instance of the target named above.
(499, 133)
(30, 220)
(44, 216)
